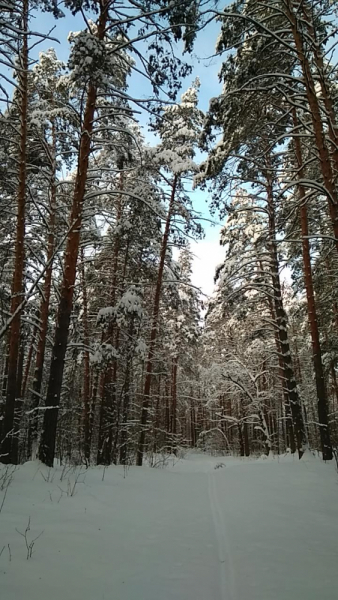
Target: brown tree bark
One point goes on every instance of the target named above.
(101, 432)
(108, 398)
(86, 373)
(153, 334)
(246, 439)
(240, 439)
(322, 401)
(6, 455)
(282, 377)
(28, 362)
(174, 397)
(48, 438)
(192, 425)
(167, 409)
(126, 405)
(281, 324)
(317, 120)
(93, 398)
(18, 404)
(304, 12)
(5, 375)
(44, 307)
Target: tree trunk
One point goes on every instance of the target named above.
(174, 398)
(17, 283)
(192, 425)
(125, 413)
(108, 398)
(101, 432)
(317, 121)
(282, 375)
(86, 374)
(246, 439)
(48, 438)
(153, 334)
(241, 441)
(322, 401)
(92, 408)
(5, 374)
(318, 59)
(28, 362)
(18, 405)
(44, 310)
(281, 323)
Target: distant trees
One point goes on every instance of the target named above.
(80, 118)
(277, 100)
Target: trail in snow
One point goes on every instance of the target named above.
(253, 530)
(226, 569)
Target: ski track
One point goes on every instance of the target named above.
(257, 530)
(226, 567)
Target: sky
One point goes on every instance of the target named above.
(208, 253)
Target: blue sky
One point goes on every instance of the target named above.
(208, 252)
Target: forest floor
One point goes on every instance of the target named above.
(246, 530)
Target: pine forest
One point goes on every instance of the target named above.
(124, 144)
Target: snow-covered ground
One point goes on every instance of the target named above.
(249, 530)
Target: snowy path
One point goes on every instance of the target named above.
(226, 569)
(252, 530)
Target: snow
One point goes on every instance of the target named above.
(204, 528)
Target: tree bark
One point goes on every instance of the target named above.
(44, 309)
(108, 399)
(282, 376)
(322, 402)
(281, 323)
(174, 397)
(28, 362)
(86, 374)
(317, 121)
(18, 275)
(318, 58)
(125, 414)
(48, 438)
(153, 334)
(246, 439)
(18, 405)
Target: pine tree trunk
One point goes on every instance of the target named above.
(240, 439)
(86, 374)
(318, 59)
(174, 398)
(5, 374)
(246, 439)
(167, 411)
(282, 377)
(192, 426)
(48, 437)
(322, 401)
(317, 121)
(18, 405)
(44, 309)
(125, 414)
(114, 424)
(29, 362)
(108, 399)
(281, 323)
(102, 423)
(153, 334)
(93, 399)
(18, 275)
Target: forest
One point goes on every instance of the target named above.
(109, 354)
